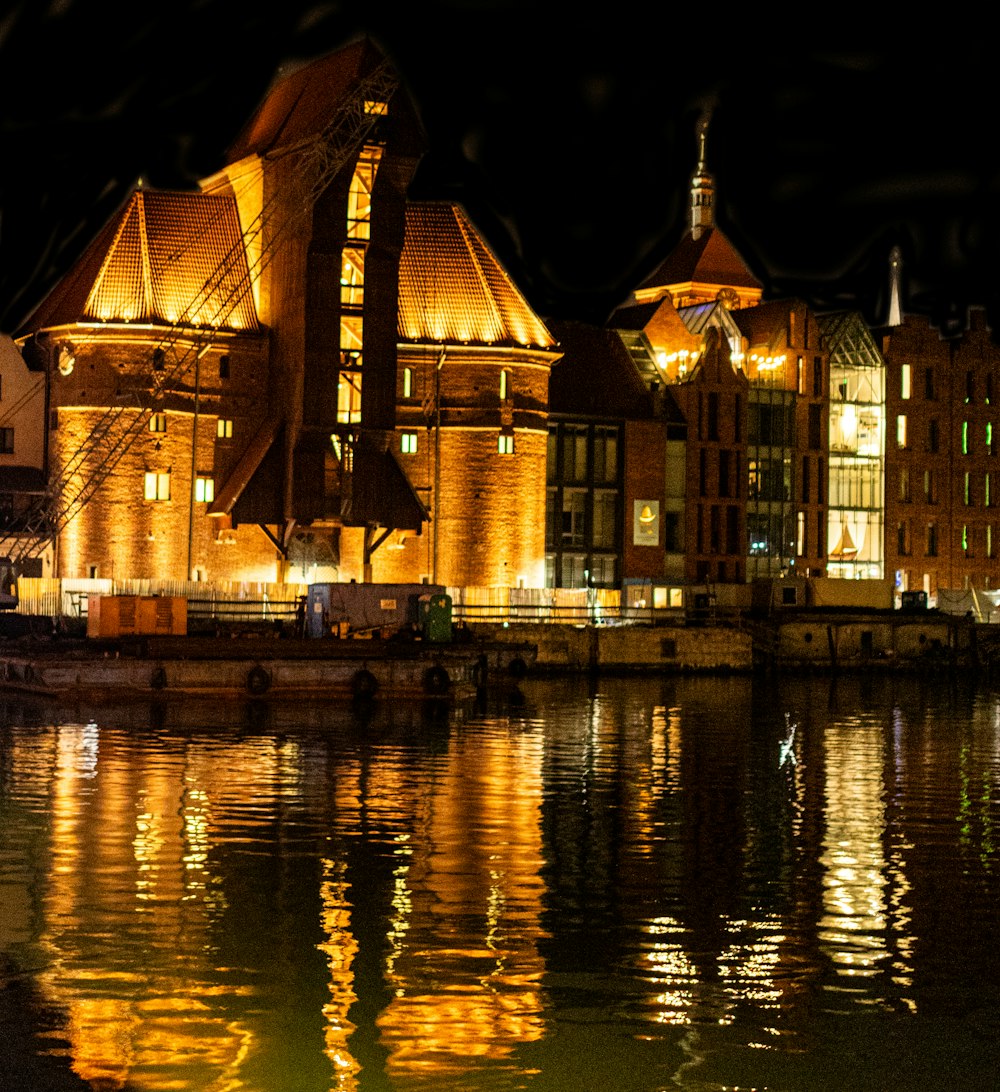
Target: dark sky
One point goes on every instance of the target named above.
(570, 140)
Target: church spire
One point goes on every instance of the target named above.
(895, 307)
(702, 187)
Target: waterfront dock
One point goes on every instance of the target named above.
(254, 667)
(258, 666)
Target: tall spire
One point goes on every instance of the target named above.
(702, 187)
(895, 307)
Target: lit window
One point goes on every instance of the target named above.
(505, 444)
(6, 441)
(352, 276)
(901, 431)
(989, 438)
(967, 489)
(905, 381)
(359, 197)
(157, 422)
(204, 490)
(351, 338)
(408, 443)
(965, 437)
(407, 382)
(224, 428)
(504, 385)
(157, 486)
(349, 398)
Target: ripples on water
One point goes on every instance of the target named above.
(651, 886)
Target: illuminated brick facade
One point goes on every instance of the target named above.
(943, 456)
(155, 502)
(233, 399)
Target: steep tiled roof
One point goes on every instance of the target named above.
(709, 259)
(453, 289)
(165, 258)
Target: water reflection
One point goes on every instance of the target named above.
(654, 885)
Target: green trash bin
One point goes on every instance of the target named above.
(435, 617)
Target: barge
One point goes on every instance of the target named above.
(252, 667)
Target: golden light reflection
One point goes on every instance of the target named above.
(125, 916)
(853, 930)
(402, 902)
(340, 948)
(670, 967)
(469, 985)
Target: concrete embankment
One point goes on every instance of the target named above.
(822, 641)
(562, 648)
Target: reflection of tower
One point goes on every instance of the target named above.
(126, 914)
(467, 985)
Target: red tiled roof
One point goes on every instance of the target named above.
(452, 288)
(709, 259)
(166, 258)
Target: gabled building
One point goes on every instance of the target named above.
(785, 361)
(857, 407)
(942, 471)
(23, 439)
(750, 379)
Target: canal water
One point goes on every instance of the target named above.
(697, 884)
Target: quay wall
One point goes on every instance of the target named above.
(626, 648)
(810, 642)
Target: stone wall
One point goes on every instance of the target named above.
(628, 648)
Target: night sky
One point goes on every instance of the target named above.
(569, 138)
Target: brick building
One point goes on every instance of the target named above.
(615, 465)
(294, 369)
(942, 458)
(750, 379)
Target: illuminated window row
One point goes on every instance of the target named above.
(223, 425)
(408, 443)
(157, 487)
(409, 386)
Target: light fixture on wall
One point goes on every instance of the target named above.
(65, 358)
